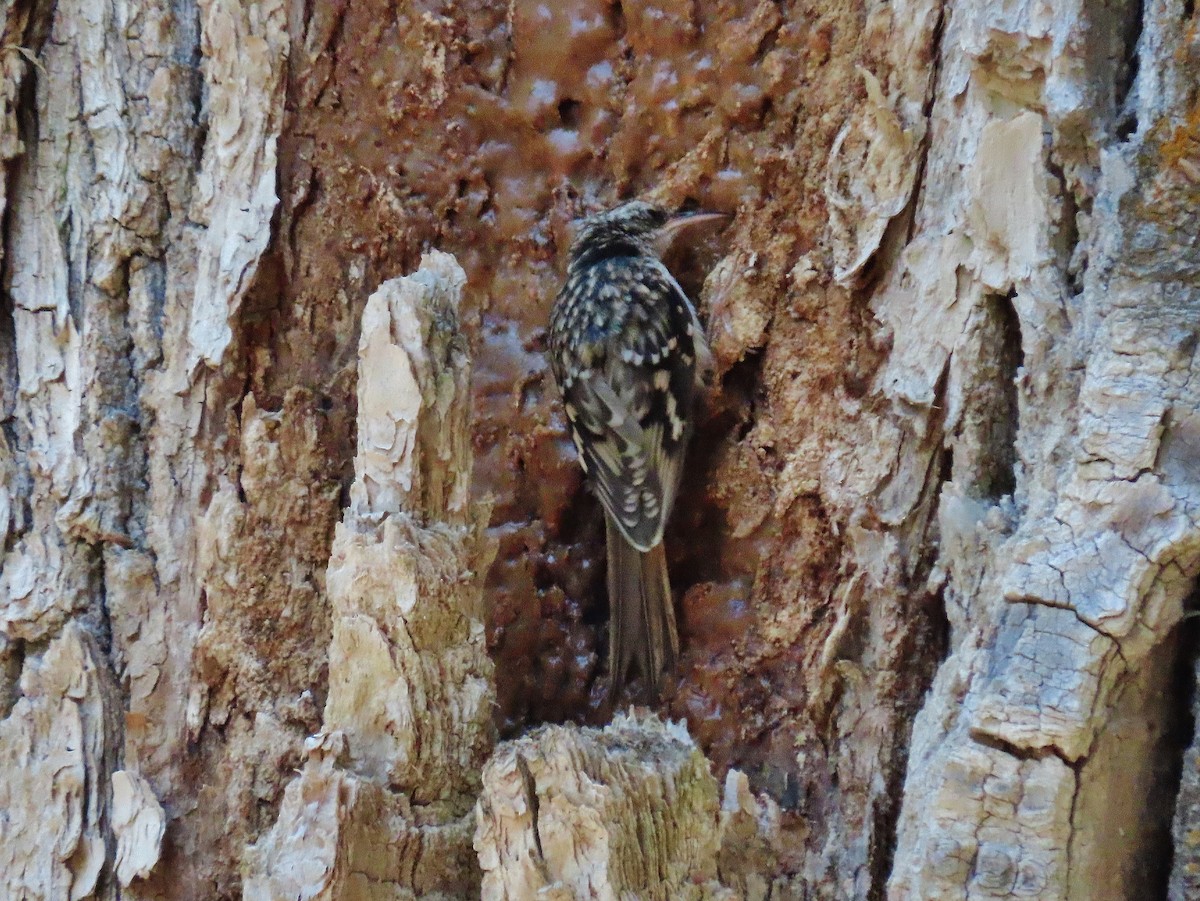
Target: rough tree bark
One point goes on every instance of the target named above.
(292, 534)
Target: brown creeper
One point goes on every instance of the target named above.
(627, 351)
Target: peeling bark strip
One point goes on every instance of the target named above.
(386, 795)
(587, 813)
(56, 757)
(414, 433)
(138, 823)
(870, 172)
(244, 44)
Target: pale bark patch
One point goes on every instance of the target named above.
(570, 813)
(383, 802)
(138, 823)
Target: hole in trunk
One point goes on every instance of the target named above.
(986, 449)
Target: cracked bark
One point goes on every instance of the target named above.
(944, 516)
(1062, 674)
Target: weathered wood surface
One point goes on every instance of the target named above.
(628, 810)
(383, 806)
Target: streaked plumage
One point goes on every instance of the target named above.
(626, 351)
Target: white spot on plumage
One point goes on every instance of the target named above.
(637, 467)
(579, 449)
(662, 381)
(650, 502)
(673, 418)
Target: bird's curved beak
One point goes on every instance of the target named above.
(676, 225)
(686, 220)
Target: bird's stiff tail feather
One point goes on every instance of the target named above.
(642, 618)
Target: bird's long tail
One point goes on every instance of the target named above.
(642, 616)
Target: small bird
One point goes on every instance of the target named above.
(628, 353)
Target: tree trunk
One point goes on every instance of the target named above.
(293, 534)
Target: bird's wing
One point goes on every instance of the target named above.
(630, 413)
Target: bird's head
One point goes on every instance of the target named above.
(626, 230)
(631, 229)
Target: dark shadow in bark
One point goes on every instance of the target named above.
(1179, 771)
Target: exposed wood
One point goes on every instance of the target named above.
(382, 806)
(628, 809)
